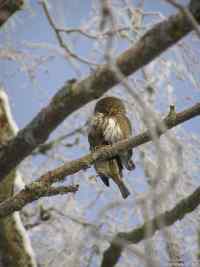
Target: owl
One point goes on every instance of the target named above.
(108, 125)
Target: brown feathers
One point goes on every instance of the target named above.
(109, 125)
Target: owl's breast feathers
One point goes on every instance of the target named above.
(110, 129)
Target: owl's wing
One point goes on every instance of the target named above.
(91, 141)
(125, 157)
(125, 126)
(96, 138)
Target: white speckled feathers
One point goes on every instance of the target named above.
(111, 130)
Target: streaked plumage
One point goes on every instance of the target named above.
(109, 125)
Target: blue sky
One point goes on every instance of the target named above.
(28, 96)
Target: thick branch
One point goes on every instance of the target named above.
(8, 8)
(72, 97)
(37, 189)
(13, 238)
(31, 193)
(185, 206)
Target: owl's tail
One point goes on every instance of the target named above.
(123, 189)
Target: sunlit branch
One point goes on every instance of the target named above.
(8, 8)
(187, 12)
(60, 39)
(42, 186)
(73, 96)
(122, 239)
(44, 148)
(30, 193)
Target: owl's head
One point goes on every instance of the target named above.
(110, 105)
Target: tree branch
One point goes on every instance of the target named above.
(8, 8)
(41, 186)
(30, 193)
(44, 148)
(187, 12)
(60, 39)
(73, 96)
(122, 239)
(13, 238)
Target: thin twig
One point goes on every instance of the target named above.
(69, 99)
(44, 148)
(60, 40)
(123, 239)
(93, 36)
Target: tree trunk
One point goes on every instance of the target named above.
(15, 247)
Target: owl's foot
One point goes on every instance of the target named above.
(97, 147)
(130, 165)
(101, 146)
(85, 166)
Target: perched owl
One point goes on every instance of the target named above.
(108, 125)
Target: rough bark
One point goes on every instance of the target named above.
(73, 96)
(15, 247)
(8, 8)
(42, 186)
(185, 206)
(174, 250)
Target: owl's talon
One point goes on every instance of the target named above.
(85, 166)
(131, 165)
(101, 146)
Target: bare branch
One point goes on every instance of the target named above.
(73, 96)
(8, 8)
(93, 36)
(187, 12)
(13, 238)
(59, 37)
(42, 186)
(122, 239)
(44, 148)
(33, 192)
